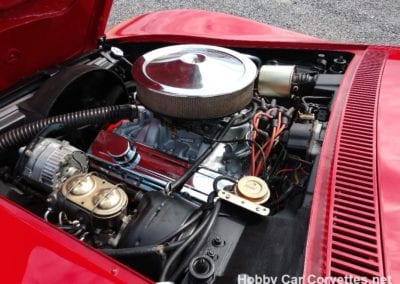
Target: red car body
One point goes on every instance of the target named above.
(354, 226)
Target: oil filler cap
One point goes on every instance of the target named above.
(122, 151)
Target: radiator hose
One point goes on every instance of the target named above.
(23, 134)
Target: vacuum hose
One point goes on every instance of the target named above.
(143, 250)
(21, 135)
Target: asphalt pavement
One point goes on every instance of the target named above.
(363, 21)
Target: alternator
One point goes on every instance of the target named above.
(52, 161)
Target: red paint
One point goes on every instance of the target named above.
(316, 250)
(35, 35)
(388, 147)
(150, 159)
(176, 26)
(199, 23)
(36, 252)
(386, 197)
(354, 244)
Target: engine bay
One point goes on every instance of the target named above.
(189, 163)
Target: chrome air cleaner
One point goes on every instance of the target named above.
(194, 81)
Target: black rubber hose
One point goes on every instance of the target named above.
(143, 250)
(248, 116)
(219, 178)
(189, 240)
(155, 248)
(21, 135)
(183, 227)
(199, 243)
(283, 196)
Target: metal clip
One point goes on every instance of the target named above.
(244, 203)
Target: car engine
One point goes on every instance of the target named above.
(190, 163)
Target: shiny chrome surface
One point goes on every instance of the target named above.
(195, 70)
(107, 198)
(276, 80)
(194, 81)
(80, 185)
(124, 153)
(95, 195)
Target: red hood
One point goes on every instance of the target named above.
(35, 35)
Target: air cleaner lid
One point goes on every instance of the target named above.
(193, 71)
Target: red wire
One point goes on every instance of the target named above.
(256, 120)
(267, 146)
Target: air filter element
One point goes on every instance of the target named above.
(194, 81)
